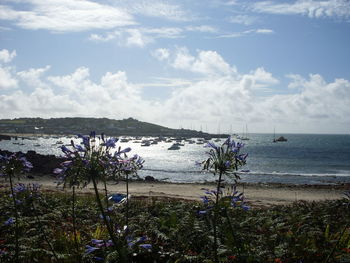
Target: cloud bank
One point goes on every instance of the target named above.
(217, 94)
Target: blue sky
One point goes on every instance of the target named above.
(190, 64)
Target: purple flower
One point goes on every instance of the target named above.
(65, 150)
(86, 140)
(229, 142)
(98, 258)
(79, 148)
(211, 145)
(58, 171)
(110, 143)
(242, 157)
(126, 150)
(245, 207)
(198, 163)
(146, 246)
(26, 163)
(19, 188)
(90, 249)
(9, 221)
(205, 200)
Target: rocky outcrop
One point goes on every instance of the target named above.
(4, 137)
(42, 164)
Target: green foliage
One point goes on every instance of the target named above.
(304, 231)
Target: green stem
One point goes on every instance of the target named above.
(216, 211)
(74, 225)
(99, 203)
(127, 200)
(16, 215)
(44, 234)
(117, 245)
(106, 192)
(336, 244)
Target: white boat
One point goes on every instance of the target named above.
(244, 136)
(279, 139)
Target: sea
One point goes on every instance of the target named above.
(303, 159)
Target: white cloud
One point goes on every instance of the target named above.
(220, 95)
(161, 54)
(207, 62)
(6, 56)
(156, 8)
(183, 59)
(141, 36)
(263, 31)
(168, 82)
(243, 19)
(7, 81)
(258, 79)
(310, 8)
(67, 15)
(202, 28)
(32, 77)
(138, 36)
(318, 103)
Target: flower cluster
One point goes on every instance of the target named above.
(232, 199)
(14, 163)
(225, 159)
(95, 157)
(133, 244)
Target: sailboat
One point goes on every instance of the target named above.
(245, 137)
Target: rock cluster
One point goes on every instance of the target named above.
(42, 164)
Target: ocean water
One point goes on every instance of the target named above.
(303, 159)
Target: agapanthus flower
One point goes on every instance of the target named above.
(9, 221)
(19, 188)
(146, 246)
(111, 142)
(211, 145)
(90, 249)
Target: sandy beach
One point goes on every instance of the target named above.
(256, 194)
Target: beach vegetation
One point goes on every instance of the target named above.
(166, 230)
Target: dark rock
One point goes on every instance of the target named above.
(5, 137)
(42, 164)
(149, 178)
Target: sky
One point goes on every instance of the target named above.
(210, 65)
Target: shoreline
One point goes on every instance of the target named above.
(257, 195)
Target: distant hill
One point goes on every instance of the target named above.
(69, 126)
